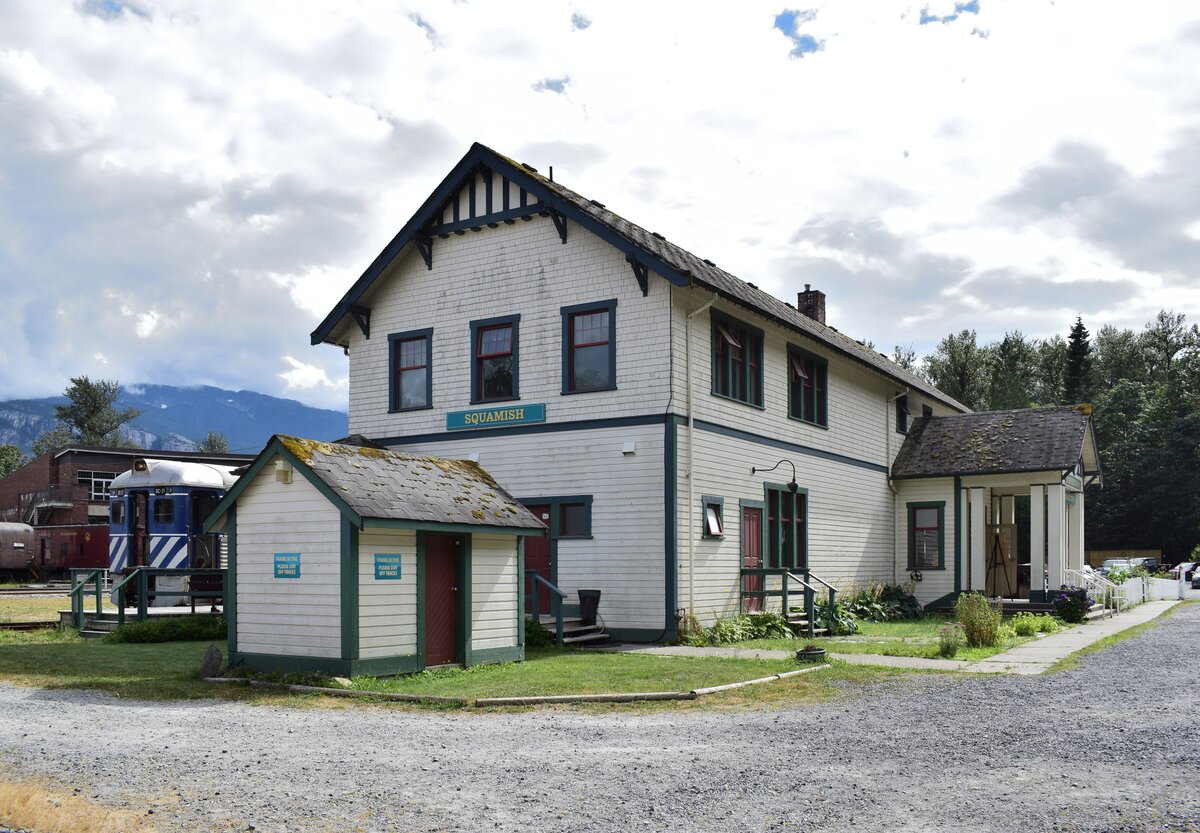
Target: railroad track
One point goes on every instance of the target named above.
(34, 591)
(28, 626)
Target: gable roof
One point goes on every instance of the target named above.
(371, 484)
(642, 248)
(999, 442)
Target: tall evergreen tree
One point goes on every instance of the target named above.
(1050, 378)
(1014, 362)
(90, 416)
(961, 368)
(1077, 383)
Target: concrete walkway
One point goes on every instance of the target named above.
(1031, 658)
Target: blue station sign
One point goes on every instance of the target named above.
(287, 565)
(495, 417)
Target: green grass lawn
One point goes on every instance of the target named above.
(908, 638)
(22, 609)
(58, 659)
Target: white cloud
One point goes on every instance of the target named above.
(234, 161)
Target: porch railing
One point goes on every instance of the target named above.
(788, 578)
(140, 579)
(556, 603)
(81, 580)
(1112, 595)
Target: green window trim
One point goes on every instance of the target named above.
(570, 384)
(395, 340)
(718, 505)
(737, 360)
(785, 544)
(902, 414)
(808, 387)
(513, 324)
(910, 515)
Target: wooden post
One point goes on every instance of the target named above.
(1056, 529)
(1037, 542)
(978, 540)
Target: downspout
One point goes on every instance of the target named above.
(887, 461)
(687, 364)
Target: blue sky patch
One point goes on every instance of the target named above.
(111, 9)
(554, 85)
(971, 7)
(788, 21)
(579, 22)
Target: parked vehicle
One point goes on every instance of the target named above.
(1150, 564)
(1196, 580)
(1188, 568)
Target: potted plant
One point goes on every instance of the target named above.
(811, 652)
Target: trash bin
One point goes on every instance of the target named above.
(589, 604)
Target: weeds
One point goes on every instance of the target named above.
(981, 621)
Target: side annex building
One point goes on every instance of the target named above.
(686, 437)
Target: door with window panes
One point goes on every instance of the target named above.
(787, 538)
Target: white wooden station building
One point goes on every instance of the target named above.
(655, 410)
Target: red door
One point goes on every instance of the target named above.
(752, 558)
(537, 557)
(441, 600)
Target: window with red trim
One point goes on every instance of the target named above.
(411, 362)
(737, 361)
(589, 355)
(494, 362)
(808, 398)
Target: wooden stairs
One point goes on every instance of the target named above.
(798, 621)
(575, 632)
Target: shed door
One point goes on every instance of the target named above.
(752, 558)
(441, 599)
(537, 557)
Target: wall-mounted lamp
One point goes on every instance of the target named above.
(794, 486)
(283, 471)
(630, 448)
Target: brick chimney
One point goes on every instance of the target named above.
(811, 302)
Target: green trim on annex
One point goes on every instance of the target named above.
(348, 567)
(230, 590)
(420, 599)
(910, 509)
(462, 601)
(670, 538)
(288, 664)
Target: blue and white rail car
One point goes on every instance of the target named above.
(157, 511)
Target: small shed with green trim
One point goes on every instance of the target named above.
(354, 560)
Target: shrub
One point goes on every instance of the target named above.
(950, 640)
(837, 619)
(980, 620)
(901, 601)
(198, 628)
(883, 603)
(536, 636)
(742, 628)
(1118, 575)
(1031, 624)
(1072, 604)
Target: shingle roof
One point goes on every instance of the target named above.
(663, 256)
(998, 442)
(391, 485)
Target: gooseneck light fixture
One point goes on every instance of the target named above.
(794, 486)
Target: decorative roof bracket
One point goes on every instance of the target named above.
(560, 223)
(362, 317)
(641, 272)
(424, 245)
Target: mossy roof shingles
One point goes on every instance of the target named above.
(998, 442)
(395, 486)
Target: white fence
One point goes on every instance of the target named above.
(1165, 588)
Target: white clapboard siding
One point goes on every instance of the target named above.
(494, 616)
(300, 616)
(625, 555)
(387, 608)
(861, 418)
(934, 583)
(849, 519)
(523, 269)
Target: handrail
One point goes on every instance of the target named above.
(810, 596)
(556, 601)
(1109, 589)
(820, 580)
(142, 576)
(93, 577)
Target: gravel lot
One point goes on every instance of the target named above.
(1111, 746)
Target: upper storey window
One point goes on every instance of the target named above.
(411, 377)
(494, 373)
(737, 360)
(808, 387)
(589, 347)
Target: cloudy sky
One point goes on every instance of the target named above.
(187, 187)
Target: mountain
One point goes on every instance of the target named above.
(176, 418)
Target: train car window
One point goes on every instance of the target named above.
(164, 510)
(118, 512)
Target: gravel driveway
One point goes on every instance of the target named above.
(1111, 746)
